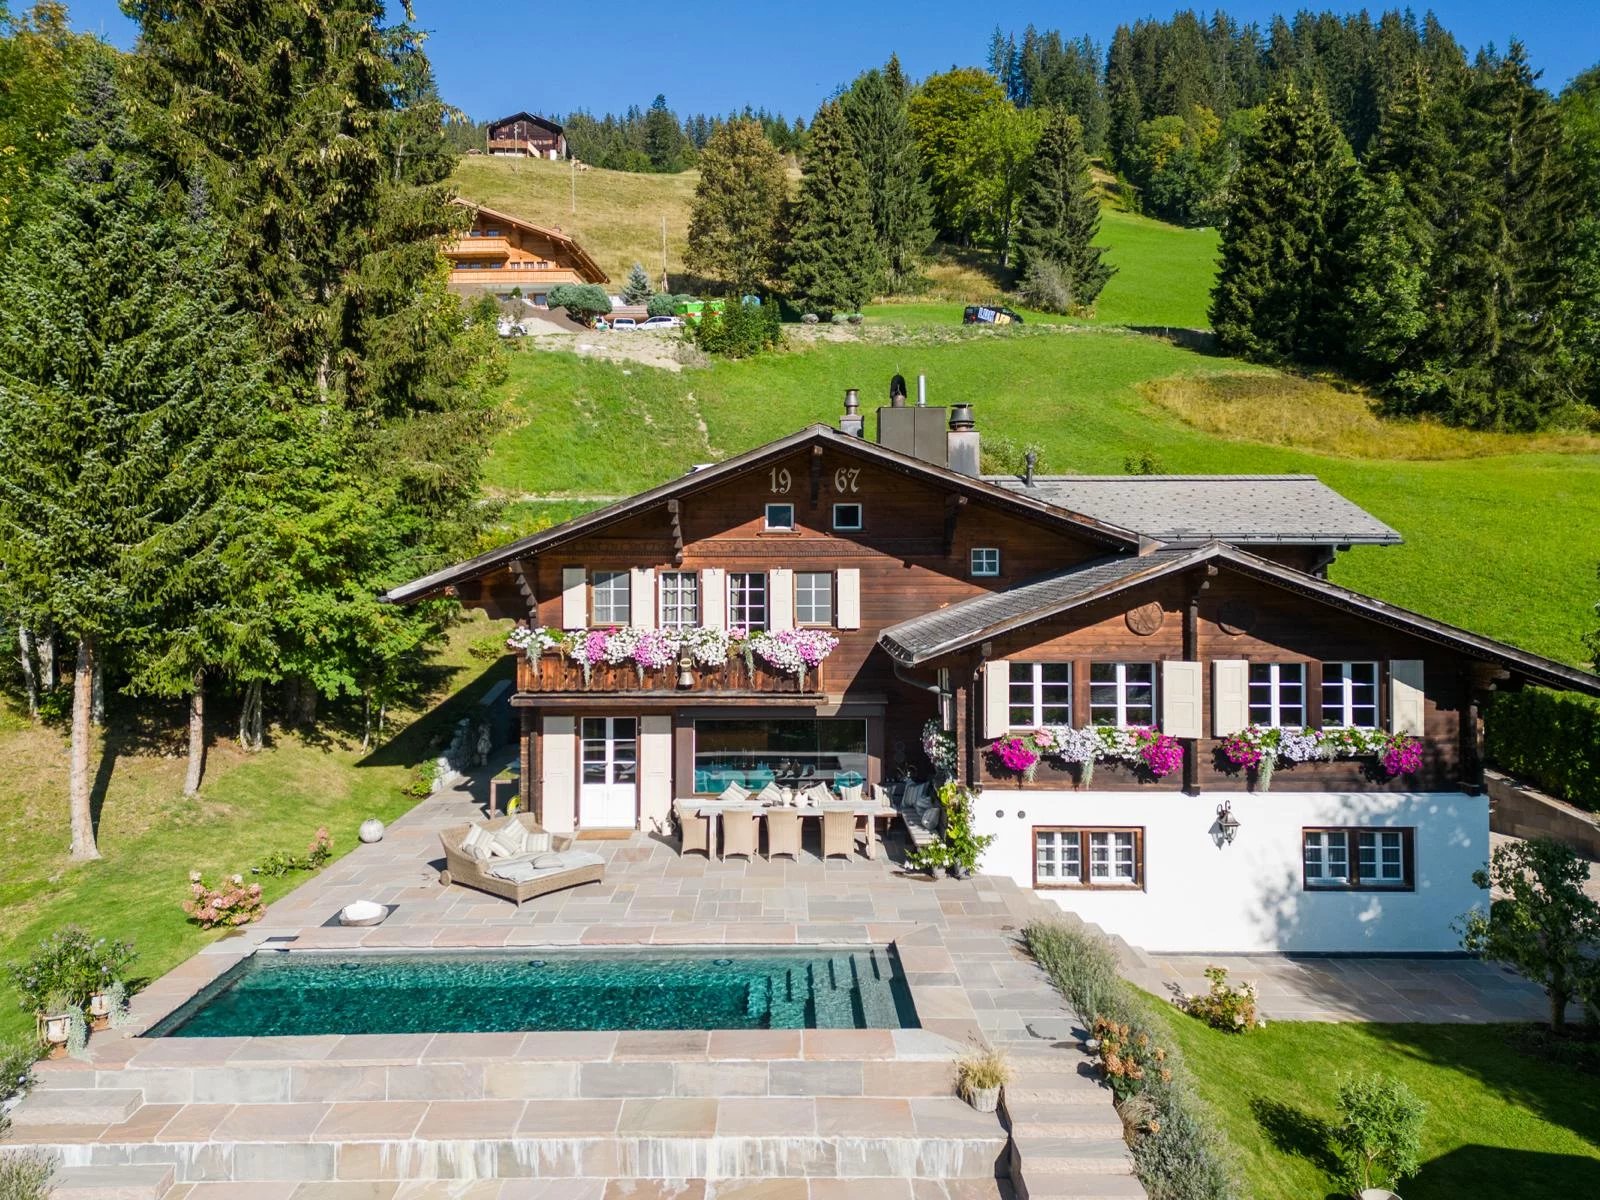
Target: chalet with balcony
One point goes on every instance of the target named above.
(505, 256)
(524, 135)
(1175, 724)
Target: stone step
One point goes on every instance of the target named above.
(1069, 1124)
(1065, 1096)
(1074, 1156)
(126, 1182)
(1082, 1187)
(76, 1106)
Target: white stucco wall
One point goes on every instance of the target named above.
(1203, 898)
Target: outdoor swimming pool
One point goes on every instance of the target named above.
(276, 993)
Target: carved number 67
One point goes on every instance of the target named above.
(847, 479)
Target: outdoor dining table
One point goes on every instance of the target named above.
(866, 808)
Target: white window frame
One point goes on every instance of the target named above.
(784, 527)
(800, 610)
(1028, 692)
(1275, 683)
(988, 565)
(670, 613)
(1344, 702)
(1053, 851)
(861, 518)
(1121, 684)
(1390, 849)
(1088, 856)
(614, 582)
(734, 609)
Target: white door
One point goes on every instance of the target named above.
(610, 781)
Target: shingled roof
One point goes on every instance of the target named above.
(1190, 509)
(971, 622)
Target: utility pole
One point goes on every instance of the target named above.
(574, 163)
(664, 253)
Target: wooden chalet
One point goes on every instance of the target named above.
(994, 607)
(525, 135)
(500, 253)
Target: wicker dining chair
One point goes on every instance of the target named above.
(739, 832)
(838, 832)
(783, 833)
(694, 829)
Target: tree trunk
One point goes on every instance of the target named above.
(30, 678)
(97, 694)
(83, 846)
(1558, 1008)
(250, 732)
(47, 661)
(366, 722)
(197, 736)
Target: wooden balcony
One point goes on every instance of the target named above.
(479, 247)
(555, 675)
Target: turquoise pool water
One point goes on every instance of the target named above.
(279, 993)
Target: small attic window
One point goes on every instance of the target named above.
(985, 561)
(780, 517)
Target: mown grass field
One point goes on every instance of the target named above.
(1502, 534)
(1504, 1119)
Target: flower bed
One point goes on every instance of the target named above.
(793, 651)
(1146, 747)
(1261, 749)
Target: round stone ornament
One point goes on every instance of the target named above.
(371, 830)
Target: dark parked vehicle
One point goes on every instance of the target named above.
(983, 314)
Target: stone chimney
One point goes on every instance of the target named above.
(852, 422)
(962, 441)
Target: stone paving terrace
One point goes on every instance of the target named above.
(783, 1114)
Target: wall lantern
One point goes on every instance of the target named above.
(1227, 823)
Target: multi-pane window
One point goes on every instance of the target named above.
(1278, 695)
(813, 597)
(985, 560)
(1041, 694)
(1350, 695)
(1122, 694)
(847, 518)
(747, 600)
(612, 598)
(1359, 858)
(1088, 857)
(780, 516)
(680, 599)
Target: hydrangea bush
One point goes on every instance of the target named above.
(1224, 1006)
(231, 902)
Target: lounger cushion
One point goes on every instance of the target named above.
(734, 793)
(851, 795)
(476, 844)
(508, 841)
(769, 795)
(537, 843)
(916, 796)
(816, 793)
(520, 871)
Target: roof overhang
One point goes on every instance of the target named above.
(565, 240)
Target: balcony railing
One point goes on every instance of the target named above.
(557, 673)
(479, 247)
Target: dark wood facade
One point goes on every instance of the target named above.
(526, 134)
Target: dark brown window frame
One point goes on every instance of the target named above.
(1084, 884)
(1408, 853)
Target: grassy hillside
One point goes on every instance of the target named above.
(1501, 542)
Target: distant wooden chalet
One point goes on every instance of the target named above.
(527, 136)
(1061, 611)
(500, 253)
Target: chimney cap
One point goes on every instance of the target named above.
(852, 401)
(897, 392)
(961, 418)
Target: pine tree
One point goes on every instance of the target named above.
(834, 263)
(1123, 109)
(663, 140)
(902, 211)
(1061, 216)
(1278, 289)
(637, 289)
(733, 226)
(1580, 110)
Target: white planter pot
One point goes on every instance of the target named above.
(371, 830)
(363, 912)
(1379, 1194)
(985, 1100)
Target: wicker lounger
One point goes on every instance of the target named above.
(469, 872)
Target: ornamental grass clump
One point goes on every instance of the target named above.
(1224, 1006)
(981, 1070)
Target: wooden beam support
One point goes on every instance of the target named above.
(675, 513)
(816, 475)
(953, 505)
(525, 586)
(1191, 653)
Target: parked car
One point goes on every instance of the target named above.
(663, 323)
(621, 323)
(983, 314)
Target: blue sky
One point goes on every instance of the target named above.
(496, 58)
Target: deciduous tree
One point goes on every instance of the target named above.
(943, 112)
(733, 227)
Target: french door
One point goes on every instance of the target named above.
(608, 794)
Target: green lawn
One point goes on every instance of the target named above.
(1505, 544)
(151, 837)
(1501, 1122)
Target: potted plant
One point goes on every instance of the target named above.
(100, 1009)
(964, 847)
(979, 1078)
(1378, 1134)
(56, 1022)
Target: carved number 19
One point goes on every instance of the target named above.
(782, 481)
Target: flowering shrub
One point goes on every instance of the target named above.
(1128, 1057)
(1017, 755)
(939, 745)
(532, 640)
(72, 963)
(1403, 756)
(1261, 748)
(316, 856)
(1143, 746)
(1230, 1009)
(706, 645)
(233, 902)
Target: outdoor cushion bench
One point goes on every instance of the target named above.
(526, 880)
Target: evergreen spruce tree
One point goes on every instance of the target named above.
(637, 289)
(733, 226)
(1123, 109)
(1278, 293)
(834, 263)
(902, 211)
(663, 140)
(1061, 217)
(1580, 111)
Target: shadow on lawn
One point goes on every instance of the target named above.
(1294, 1131)
(1504, 1174)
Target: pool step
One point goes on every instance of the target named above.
(848, 990)
(76, 1106)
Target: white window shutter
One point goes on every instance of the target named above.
(1406, 711)
(655, 771)
(847, 598)
(1180, 699)
(642, 597)
(558, 793)
(1230, 695)
(996, 698)
(780, 599)
(714, 598)
(574, 598)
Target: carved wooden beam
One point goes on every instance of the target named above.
(675, 512)
(816, 475)
(525, 586)
(953, 505)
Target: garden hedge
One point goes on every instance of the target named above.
(1549, 739)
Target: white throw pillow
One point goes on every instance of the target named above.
(549, 859)
(880, 795)
(734, 793)
(508, 840)
(476, 844)
(930, 818)
(851, 795)
(537, 843)
(769, 795)
(817, 793)
(916, 796)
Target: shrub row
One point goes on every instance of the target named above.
(1550, 739)
(1176, 1151)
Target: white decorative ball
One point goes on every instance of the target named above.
(371, 830)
